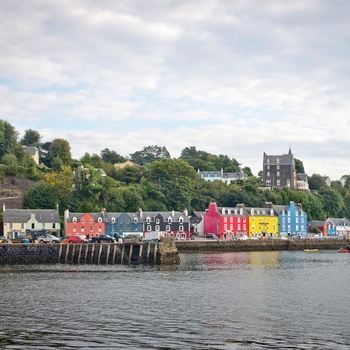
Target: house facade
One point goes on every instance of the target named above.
(338, 227)
(87, 224)
(30, 222)
(292, 220)
(319, 225)
(122, 224)
(170, 223)
(226, 223)
(279, 171)
(227, 178)
(262, 222)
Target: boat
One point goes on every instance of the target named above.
(310, 250)
(343, 250)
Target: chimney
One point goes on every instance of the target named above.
(186, 212)
(140, 212)
(3, 207)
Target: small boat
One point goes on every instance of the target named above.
(310, 250)
(343, 250)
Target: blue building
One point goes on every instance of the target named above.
(122, 224)
(292, 220)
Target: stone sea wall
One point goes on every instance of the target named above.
(91, 253)
(256, 245)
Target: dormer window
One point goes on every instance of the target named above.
(169, 220)
(181, 220)
(135, 221)
(74, 219)
(148, 220)
(83, 221)
(99, 220)
(113, 220)
(90, 221)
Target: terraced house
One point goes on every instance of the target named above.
(30, 222)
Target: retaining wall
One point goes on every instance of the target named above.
(91, 253)
(256, 245)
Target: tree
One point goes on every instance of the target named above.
(333, 203)
(31, 138)
(61, 148)
(42, 196)
(112, 156)
(150, 154)
(8, 137)
(316, 182)
(299, 166)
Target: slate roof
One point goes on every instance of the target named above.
(338, 221)
(78, 216)
(31, 150)
(24, 215)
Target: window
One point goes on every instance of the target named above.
(157, 221)
(53, 225)
(181, 228)
(277, 160)
(215, 174)
(127, 221)
(82, 229)
(74, 219)
(268, 161)
(148, 220)
(278, 167)
(91, 221)
(135, 221)
(225, 219)
(113, 220)
(149, 228)
(22, 225)
(121, 221)
(33, 226)
(11, 226)
(135, 228)
(74, 229)
(278, 182)
(91, 229)
(268, 182)
(268, 167)
(268, 173)
(167, 227)
(157, 227)
(83, 221)
(100, 229)
(181, 220)
(278, 173)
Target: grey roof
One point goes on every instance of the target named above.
(338, 221)
(283, 159)
(78, 216)
(24, 215)
(302, 177)
(31, 150)
(316, 223)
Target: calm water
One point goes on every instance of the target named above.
(263, 300)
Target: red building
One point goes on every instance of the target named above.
(226, 223)
(90, 225)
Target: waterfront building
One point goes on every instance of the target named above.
(30, 222)
(169, 223)
(338, 227)
(227, 178)
(226, 223)
(279, 171)
(197, 223)
(319, 225)
(263, 222)
(292, 219)
(122, 224)
(87, 224)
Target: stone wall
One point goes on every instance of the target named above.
(255, 245)
(91, 253)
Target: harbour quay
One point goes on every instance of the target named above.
(156, 253)
(257, 245)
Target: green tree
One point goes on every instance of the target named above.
(112, 156)
(299, 166)
(42, 196)
(316, 182)
(31, 138)
(8, 137)
(61, 148)
(333, 203)
(150, 154)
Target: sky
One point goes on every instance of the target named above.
(237, 78)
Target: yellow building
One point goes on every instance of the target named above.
(263, 222)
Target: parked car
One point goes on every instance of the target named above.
(77, 239)
(22, 239)
(3, 239)
(103, 239)
(212, 236)
(48, 239)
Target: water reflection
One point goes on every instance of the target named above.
(281, 300)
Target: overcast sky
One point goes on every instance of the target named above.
(238, 77)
